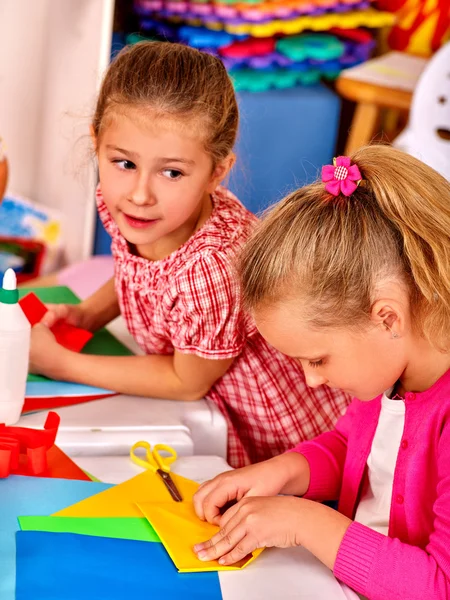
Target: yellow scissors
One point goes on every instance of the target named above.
(158, 464)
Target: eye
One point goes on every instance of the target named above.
(316, 363)
(125, 165)
(172, 174)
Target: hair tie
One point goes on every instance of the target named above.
(341, 177)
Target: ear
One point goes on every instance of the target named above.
(389, 314)
(93, 137)
(221, 170)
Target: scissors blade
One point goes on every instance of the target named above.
(170, 485)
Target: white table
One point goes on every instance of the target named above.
(111, 426)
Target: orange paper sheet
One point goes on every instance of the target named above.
(179, 530)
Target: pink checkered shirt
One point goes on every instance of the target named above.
(190, 302)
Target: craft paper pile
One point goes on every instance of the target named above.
(129, 539)
(32, 496)
(175, 523)
(269, 44)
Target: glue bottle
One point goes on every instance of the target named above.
(15, 333)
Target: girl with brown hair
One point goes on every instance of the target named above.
(163, 131)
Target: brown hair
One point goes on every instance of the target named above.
(175, 80)
(333, 251)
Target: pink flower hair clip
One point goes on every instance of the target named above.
(341, 177)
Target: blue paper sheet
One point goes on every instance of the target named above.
(52, 389)
(65, 566)
(20, 496)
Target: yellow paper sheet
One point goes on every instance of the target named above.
(179, 530)
(121, 500)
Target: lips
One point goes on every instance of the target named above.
(137, 222)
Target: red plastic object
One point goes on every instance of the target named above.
(361, 36)
(71, 337)
(17, 442)
(60, 466)
(249, 47)
(32, 251)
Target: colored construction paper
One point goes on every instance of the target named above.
(46, 403)
(32, 496)
(60, 466)
(43, 393)
(121, 500)
(71, 337)
(103, 342)
(33, 308)
(180, 529)
(50, 389)
(64, 566)
(127, 528)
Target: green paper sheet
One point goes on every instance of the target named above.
(102, 344)
(126, 528)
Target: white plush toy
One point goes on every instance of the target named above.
(427, 135)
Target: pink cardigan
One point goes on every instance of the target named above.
(413, 562)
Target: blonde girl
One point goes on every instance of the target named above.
(351, 277)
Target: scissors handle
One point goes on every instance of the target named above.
(164, 462)
(153, 459)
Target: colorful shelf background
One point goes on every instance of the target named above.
(268, 44)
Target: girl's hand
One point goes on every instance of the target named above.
(263, 479)
(254, 523)
(46, 355)
(73, 314)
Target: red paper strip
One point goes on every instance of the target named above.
(36, 404)
(71, 337)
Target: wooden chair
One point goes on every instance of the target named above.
(386, 82)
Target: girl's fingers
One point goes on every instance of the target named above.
(222, 543)
(49, 319)
(221, 492)
(55, 313)
(199, 498)
(228, 515)
(240, 551)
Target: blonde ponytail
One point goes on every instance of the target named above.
(334, 250)
(417, 201)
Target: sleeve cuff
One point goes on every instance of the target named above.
(357, 555)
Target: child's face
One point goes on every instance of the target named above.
(156, 180)
(363, 364)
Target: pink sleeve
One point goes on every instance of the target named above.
(326, 457)
(105, 216)
(206, 318)
(381, 567)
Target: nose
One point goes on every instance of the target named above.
(314, 380)
(141, 194)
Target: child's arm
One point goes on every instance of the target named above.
(175, 377)
(373, 564)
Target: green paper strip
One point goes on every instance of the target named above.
(127, 528)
